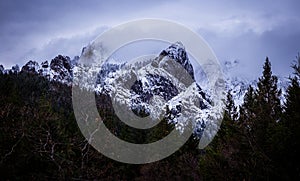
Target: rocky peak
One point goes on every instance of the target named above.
(1, 69)
(143, 91)
(45, 64)
(177, 52)
(31, 67)
(61, 69)
(44, 71)
(60, 62)
(15, 68)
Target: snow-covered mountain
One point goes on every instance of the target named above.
(236, 82)
(161, 87)
(61, 69)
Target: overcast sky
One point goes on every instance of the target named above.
(244, 30)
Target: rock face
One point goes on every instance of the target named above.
(15, 69)
(104, 72)
(1, 69)
(142, 92)
(44, 70)
(61, 69)
(31, 67)
(177, 52)
(163, 87)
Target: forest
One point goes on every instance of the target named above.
(40, 139)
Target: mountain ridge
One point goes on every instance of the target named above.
(61, 69)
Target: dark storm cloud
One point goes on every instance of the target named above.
(244, 30)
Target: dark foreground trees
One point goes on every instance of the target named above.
(263, 143)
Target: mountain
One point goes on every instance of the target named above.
(236, 83)
(61, 69)
(162, 87)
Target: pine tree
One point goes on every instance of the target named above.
(246, 146)
(268, 105)
(291, 120)
(247, 109)
(229, 120)
(231, 109)
(259, 116)
(221, 161)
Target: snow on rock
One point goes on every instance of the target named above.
(177, 52)
(15, 69)
(61, 69)
(31, 67)
(161, 88)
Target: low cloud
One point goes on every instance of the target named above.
(71, 46)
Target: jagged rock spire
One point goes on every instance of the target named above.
(177, 52)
